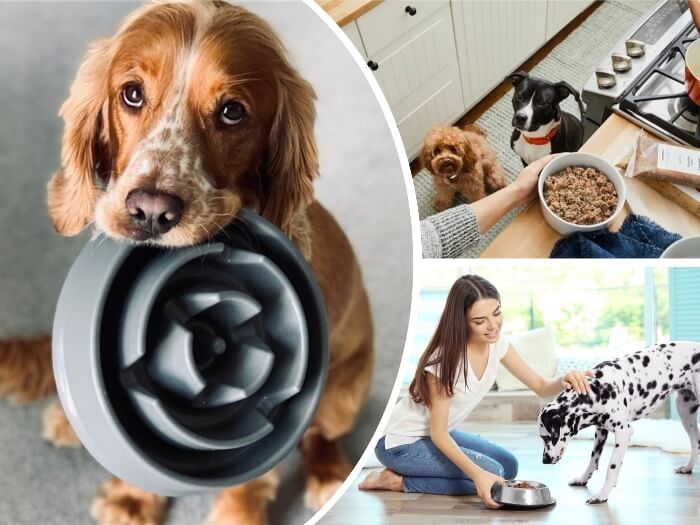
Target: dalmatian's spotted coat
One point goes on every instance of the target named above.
(624, 390)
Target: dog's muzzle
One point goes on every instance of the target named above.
(519, 121)
(448, 166)
(549, 460)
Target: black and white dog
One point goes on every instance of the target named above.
(624, 390)
(540, 126)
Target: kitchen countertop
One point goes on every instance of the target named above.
(345, 11)
(529, 235)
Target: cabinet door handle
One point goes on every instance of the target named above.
(411, 10)
(373, 65)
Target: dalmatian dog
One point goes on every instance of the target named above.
(624, 390)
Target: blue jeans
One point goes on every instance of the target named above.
(427, 470)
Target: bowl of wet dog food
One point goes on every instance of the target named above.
(522, 494)
(580, 192)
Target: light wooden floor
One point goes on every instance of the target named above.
(648, 490)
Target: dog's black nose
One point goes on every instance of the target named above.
(154, 212)
(547, 460)
(520, 119)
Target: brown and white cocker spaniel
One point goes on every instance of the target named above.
(461, 161)
(189, 113)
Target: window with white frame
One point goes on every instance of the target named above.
(594, 313)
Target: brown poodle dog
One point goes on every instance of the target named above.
(461, 161)
(165, 140)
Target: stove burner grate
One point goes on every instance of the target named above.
(683, 120)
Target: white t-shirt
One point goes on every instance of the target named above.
(410, 421)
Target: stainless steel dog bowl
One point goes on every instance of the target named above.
(509, 494)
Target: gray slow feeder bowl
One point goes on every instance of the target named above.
(187, 370)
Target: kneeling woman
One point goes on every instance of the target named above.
(422, 450)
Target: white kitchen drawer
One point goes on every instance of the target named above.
(417, 64)
(389, 20)
(353, 33)
(441, 108)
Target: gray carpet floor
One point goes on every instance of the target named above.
(573, 61)
(361, 183)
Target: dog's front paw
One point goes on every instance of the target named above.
(122, 504)
(56, 427)
(594, 500)
(245, 504)
(227, 511)
(685, 469)
(320, 490)
(578, 482)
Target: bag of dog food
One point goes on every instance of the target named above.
(653, 158)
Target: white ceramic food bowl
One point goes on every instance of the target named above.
(567, 160)
(685, 248)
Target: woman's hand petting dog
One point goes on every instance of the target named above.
(577, 380)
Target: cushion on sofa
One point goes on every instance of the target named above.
(536, 347)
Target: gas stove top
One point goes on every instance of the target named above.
(658, 97)
(640, 77)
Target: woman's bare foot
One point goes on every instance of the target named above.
(384, 480)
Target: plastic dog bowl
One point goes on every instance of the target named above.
(576, 160)
(509, 494)
(186, 370)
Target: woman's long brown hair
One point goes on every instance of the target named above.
(447, 348)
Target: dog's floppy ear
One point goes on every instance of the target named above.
(72, 191)
(292, 158)
(517, 78)
(551, 420)
(469, 156)
(565, 89)
(426, 152)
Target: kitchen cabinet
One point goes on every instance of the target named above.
(560, 13)
(493, 38)
(353, 33)
(392, 19)
(435, 59)
(414, 59)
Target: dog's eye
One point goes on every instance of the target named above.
(519, 97)
(232, 113)
(132, 95)
(436, 151)
(451, 149)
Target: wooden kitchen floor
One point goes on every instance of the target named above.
(648, 491)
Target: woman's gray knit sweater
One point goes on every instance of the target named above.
(449, 233)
